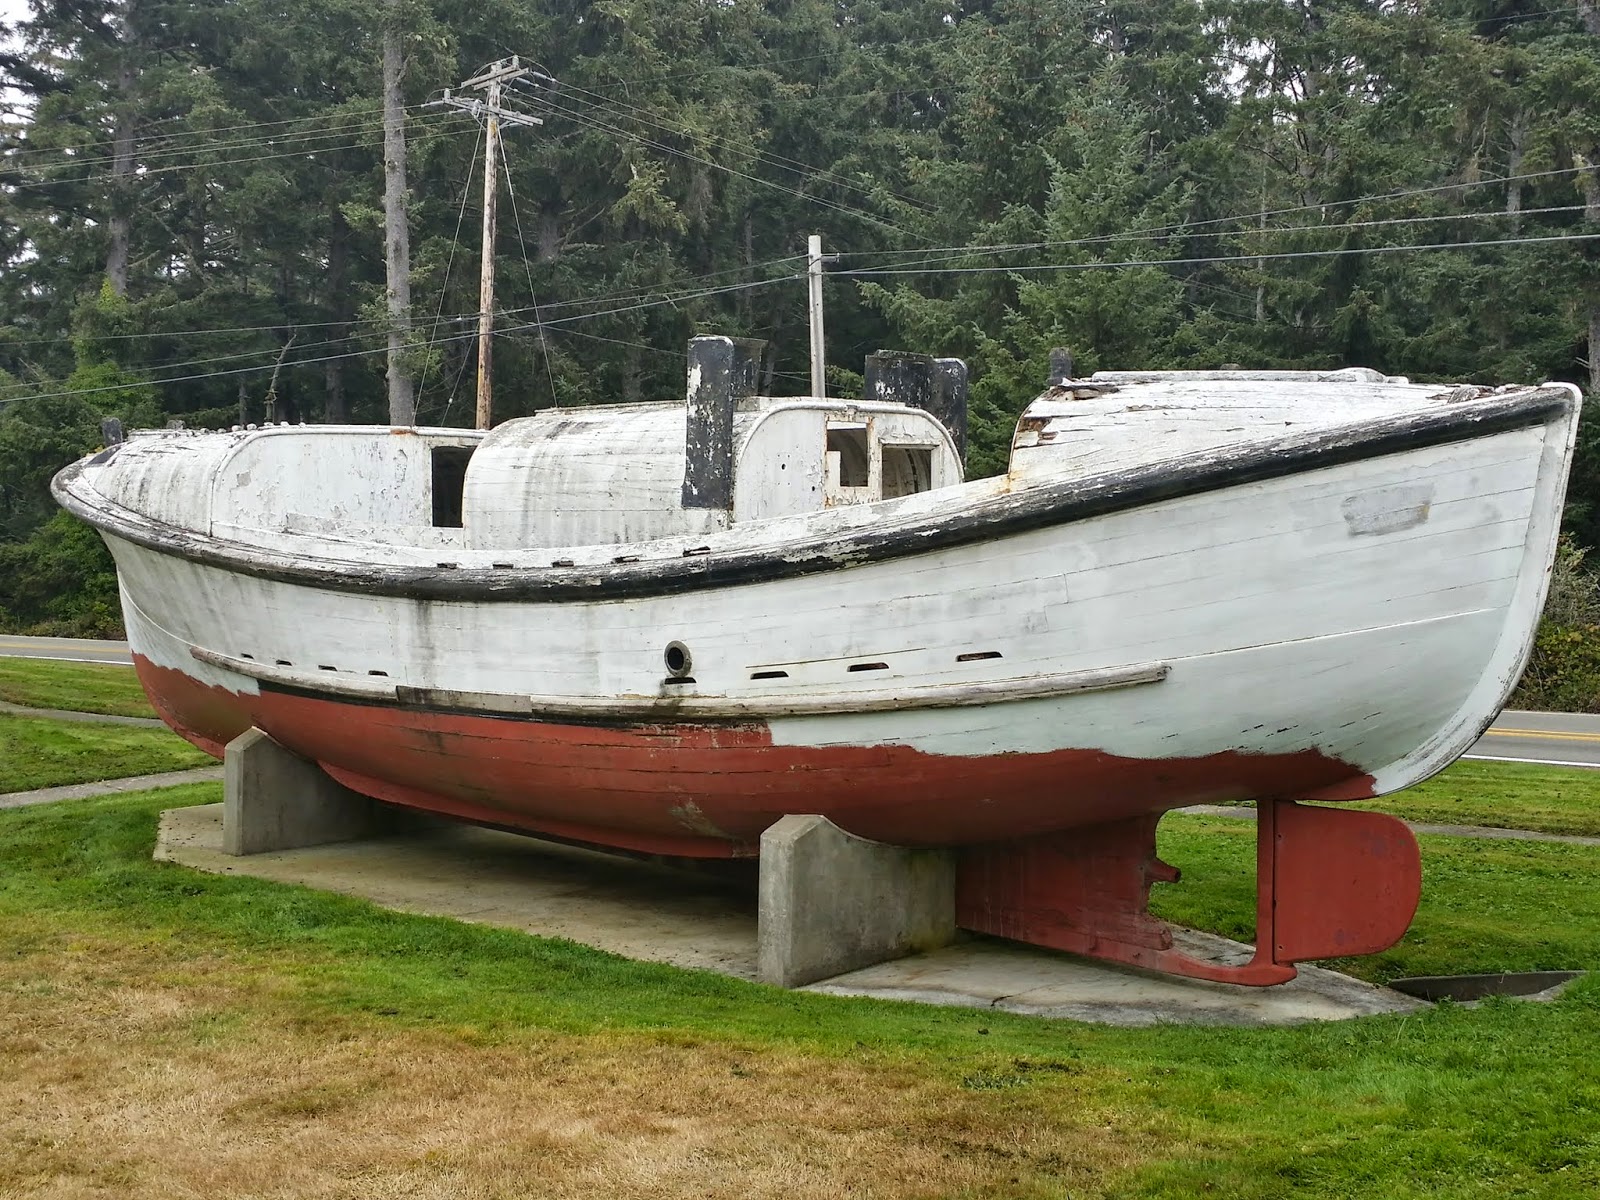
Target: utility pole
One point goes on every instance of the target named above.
(396, 228)
(489, 81)
(819, 359)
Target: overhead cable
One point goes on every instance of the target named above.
(1254, 256)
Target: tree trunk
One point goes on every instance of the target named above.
(744, 299)
(1589, 177)
(121, 199)
(549, 235)
(1519, 146)
(771, 360)
(397, 236)
(632, 366)
(1589, 181)
(336, 408)
(1594, 351)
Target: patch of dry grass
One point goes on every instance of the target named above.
(134, 1071)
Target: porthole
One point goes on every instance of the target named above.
(679, 663)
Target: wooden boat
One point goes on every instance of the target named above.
(662, 627)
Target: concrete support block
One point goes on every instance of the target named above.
(832, 902)
(273, 799)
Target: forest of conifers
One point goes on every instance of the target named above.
(192, 220)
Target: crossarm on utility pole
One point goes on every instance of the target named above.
(490, 80)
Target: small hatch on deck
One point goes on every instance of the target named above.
(449, 482)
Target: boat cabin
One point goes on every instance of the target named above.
(596, 476)
(637, 472)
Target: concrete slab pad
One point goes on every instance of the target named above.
(634, 909)
(688, 919)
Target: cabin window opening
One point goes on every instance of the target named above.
(907, 470)
(848, 446)
(449, 484)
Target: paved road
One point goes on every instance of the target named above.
(1563, 739)
(72, 649)
(1566, 739)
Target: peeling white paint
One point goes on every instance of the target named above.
(1282, 630)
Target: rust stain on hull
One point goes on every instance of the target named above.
(630, 785)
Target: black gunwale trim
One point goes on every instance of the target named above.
(1011, 513)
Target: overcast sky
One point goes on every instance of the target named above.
(12, 11)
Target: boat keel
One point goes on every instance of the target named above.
(1329, 882)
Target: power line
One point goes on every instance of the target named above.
(783, 162)
(365, 124)
(633, 293)
(179, 134)
(861, 273)
(381, 323)
(594, 122)
(1548, 12)
(1186, 227)
(305, 362)
(873, 272)
(141, 175)
(1101, 239)
(532, 291)
(455, 240)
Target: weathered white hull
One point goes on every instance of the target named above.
(1332, 633)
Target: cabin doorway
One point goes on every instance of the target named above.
(907, 470)
(849, 455)
(449, 484)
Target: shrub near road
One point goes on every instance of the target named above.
(1564, 673)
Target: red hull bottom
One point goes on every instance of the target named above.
(708, 790)
(1058, 847)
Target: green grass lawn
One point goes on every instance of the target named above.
(36, 752)
(312, 1012)
(1503, 795)
(79, 687)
